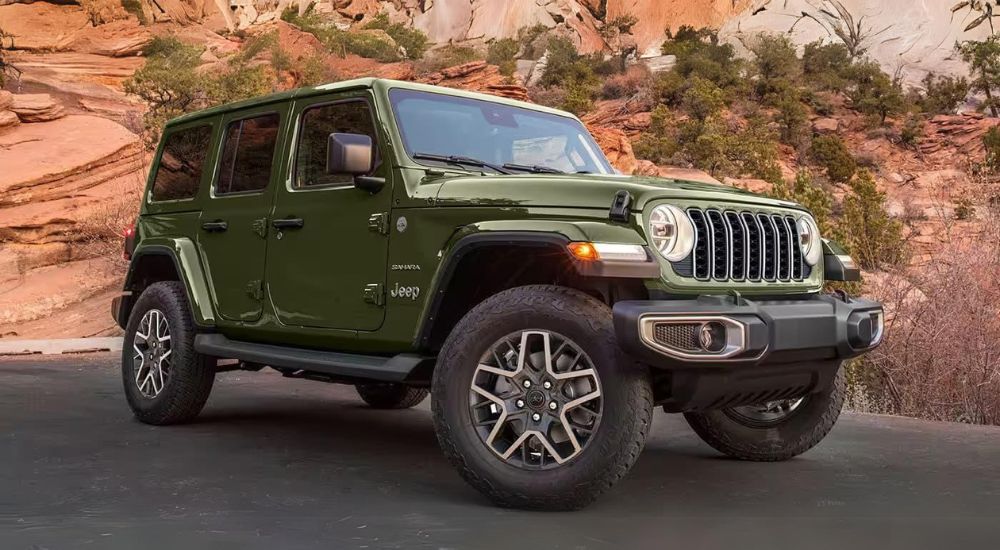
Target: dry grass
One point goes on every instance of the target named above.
(941, 356)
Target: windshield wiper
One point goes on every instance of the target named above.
(461, 161)
(534, 168)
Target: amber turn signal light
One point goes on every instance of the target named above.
(583, 251)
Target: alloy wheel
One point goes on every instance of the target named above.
(151, 358)
(766, 414)
(535, 399)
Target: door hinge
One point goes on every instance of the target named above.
(260, 227)
(374, 295)
(379, 223)
(255, 290)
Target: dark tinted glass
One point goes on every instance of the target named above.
(351, 117)
(181, 164)
(247, 154)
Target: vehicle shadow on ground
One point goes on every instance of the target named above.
(378, 445)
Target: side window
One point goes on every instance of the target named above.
(181, 164)
(349, 117)
(247, 154)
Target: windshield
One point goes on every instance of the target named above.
(447, 126)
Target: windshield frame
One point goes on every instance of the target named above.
(599, 158)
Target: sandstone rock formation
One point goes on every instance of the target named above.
(915, 37)
(477, 76)
(36, 107)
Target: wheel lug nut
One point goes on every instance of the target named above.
(520, 403)
(527, 383)
(536, 417)
(552, 405)
(547, 385)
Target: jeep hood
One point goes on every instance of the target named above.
(583, 191)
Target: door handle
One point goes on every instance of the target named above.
(288, 223)
(217, 226)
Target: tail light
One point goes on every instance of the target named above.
(130, 235)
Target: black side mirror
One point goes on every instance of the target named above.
(353, 155)
(349, 154)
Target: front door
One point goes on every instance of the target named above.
(327, 255)
(232, 236)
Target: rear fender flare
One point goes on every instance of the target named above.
(184, 255)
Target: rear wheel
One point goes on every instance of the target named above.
(391, 396)
(166, 381)
(772, 431)
(535, 404)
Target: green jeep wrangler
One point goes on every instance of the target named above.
(414, 240)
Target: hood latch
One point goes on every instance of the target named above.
(620, 206)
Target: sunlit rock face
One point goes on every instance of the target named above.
(912, 36)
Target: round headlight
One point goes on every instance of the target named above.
(809, 240)
(671, 232)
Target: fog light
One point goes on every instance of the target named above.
(712, 337)
(878, 328)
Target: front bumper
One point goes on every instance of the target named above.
(757, 351)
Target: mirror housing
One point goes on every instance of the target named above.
(349, 154)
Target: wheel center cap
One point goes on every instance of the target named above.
(535, 399)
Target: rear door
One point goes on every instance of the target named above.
(326, 267)
(233, 235)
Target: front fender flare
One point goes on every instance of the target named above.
(542, 233)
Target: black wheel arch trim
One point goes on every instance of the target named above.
(531, 239)
(121, 306)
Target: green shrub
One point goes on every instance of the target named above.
(807, 192)
(579, 98)
(874, 238)
(659, 142)
(313, 71)
(703, 99)
(134, 7)
(793, 120)
(831, 154)
(699, 53)
(413, 41)
(983, 58)
(171, 85)
(533, 40)
(825, 65)
(503, 54)
(776, 66)
(872, 92)
(964, 209)
(912, 129)
(942, 95)
(991, 142)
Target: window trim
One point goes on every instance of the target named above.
(150, 199)
(212, 191)
(299, 124)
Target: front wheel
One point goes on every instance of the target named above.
(535, 404)
(772, 431)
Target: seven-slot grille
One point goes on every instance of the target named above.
(743, 246)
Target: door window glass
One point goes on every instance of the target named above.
(247, 154)
(349, 117)
(179, 172)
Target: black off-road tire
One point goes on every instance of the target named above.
(625, 385)
(805, 427)
(391, 396)
(192, 374)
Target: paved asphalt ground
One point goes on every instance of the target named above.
(288, 464)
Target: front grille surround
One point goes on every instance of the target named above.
(745, 246)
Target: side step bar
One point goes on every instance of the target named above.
(397, 368)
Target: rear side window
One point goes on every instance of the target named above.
(181, 164)
(348, 117)
(247, 154)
